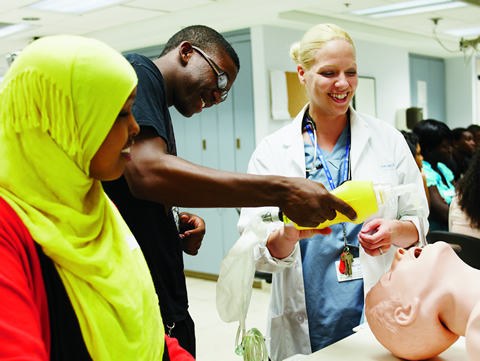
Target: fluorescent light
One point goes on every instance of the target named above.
(422, 9)
(398, 6)
(464, 32)
(13, 28)
(409, 7)
(72, 6)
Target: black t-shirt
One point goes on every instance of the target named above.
(151, 223)
(66, 338)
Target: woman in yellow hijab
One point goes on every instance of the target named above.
(73, 283)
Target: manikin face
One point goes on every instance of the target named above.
(114, 153)
(414, 273)
(199, 87)
(404, 308)
(332, 80)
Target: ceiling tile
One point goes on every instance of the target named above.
(467, 13)
(167, 5)
(6, 5)
(109, 17)
(340, 7)
(47, 31)
(46, 18)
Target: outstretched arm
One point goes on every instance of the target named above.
(157, 176)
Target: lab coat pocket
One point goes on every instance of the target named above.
(276, 332)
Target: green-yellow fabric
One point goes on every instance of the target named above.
(58, 102)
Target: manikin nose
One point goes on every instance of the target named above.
(399, 254)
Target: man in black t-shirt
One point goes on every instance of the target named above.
(195, 70)
(152, 223)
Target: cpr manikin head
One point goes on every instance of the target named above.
(405, 308)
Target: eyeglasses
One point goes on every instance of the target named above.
(222, 78)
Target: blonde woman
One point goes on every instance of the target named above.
(310, 308)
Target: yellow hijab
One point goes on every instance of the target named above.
(58, 102)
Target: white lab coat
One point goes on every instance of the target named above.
(378, 153)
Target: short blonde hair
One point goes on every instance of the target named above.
(303, 51)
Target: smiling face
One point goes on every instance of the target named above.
(199, 81)
(332, 80)
(111, 158)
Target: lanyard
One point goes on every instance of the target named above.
(329, 175)
(322, 159)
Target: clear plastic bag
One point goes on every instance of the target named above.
(234, 290)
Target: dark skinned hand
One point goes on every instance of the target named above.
(192, 231)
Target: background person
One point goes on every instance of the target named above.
(195, 70)
(475, 130)
(426, 301)
(435, 140)
(309, 308)
(464, 212)
(463, 147)
(73, 283)
(414, 145)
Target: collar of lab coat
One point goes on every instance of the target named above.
(360, 134)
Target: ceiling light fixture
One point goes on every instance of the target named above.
(463, 32)
(8, 29)
(465, 44)
(72, 6)
(408, 8)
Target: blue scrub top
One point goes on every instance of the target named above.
(333, 308)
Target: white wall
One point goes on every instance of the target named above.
(461, 89)
(389, 66)
(478, 92)
(270, 51)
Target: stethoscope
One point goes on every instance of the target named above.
(309, 122)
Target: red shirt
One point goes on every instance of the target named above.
(24, 322)
(24, 318)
